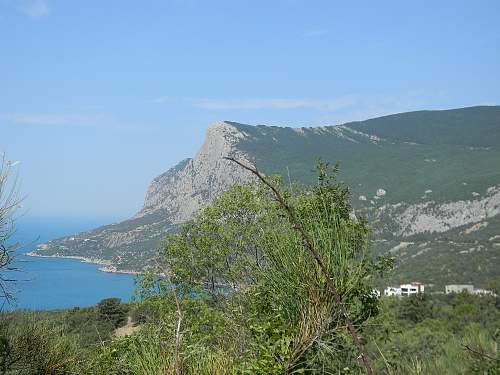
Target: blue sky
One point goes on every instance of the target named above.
(98, 97)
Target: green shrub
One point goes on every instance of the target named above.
(111, 310)
(34, 346)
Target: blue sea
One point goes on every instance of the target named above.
(55, 283)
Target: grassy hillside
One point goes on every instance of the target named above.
(413, 152)
(474, 126)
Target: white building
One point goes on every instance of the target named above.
(459, 288)
(484, 292)
(404, 289)
(413, 288)
(392, 291)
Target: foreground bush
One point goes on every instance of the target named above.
(37, 347)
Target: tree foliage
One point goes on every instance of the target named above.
(110, 310)
(244, 254)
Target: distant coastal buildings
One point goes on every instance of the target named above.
(458, 288)
(467, 288)
(414, 288)
(405, 289)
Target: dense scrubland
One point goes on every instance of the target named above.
(271, 278)
(416, 335)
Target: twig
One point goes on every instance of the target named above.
(166, 273)
(473, 351)
(308, 243)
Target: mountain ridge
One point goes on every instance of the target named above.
(427, 180)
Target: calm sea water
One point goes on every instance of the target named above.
(51, 283)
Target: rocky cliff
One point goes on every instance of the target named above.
(193, 183)
(172, 198)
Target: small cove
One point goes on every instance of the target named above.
(57, 283)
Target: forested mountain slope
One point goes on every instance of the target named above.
(430, 180)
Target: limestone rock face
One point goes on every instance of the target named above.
(431, 217)
(194, 183)
(434, 217)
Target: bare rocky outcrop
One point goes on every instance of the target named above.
(431, 217)
(194, 183)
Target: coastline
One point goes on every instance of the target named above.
(106, 266)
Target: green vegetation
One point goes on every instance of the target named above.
(437, 335)
(450, 127)
(452, 154)
(56, 342)
(153, 229)
(263, 282)
(110, 310)
(413, 152)
(418, 335)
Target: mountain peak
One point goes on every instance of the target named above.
(185, 188)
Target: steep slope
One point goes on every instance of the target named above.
(193, 183)
(425, 177)
(172, 197)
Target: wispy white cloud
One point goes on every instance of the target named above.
(371, 106)
(90, 120)
(36, 8)
(262, 103)
(274, 103)
(323, 110)
(53, 119)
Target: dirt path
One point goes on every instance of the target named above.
(127, 329)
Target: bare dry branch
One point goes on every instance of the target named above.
(166, 274)
(9, 203)
(478, 353)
